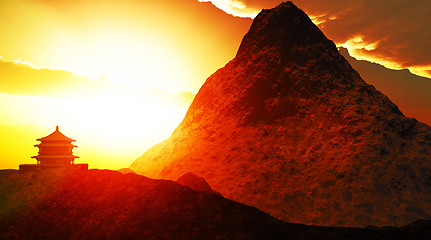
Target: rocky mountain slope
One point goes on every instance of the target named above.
(101, 204)
(289, 127)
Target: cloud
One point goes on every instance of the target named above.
(22, 78)
(394, 33)
(236, 8)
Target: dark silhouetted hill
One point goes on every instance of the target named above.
(126, 171)
(288, 126)
(102, 204)
(195, 182)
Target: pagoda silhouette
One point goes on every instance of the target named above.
(55, 151)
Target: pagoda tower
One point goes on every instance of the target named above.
(55, 151)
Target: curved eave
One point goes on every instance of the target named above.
(47, 138)
(54, 157)
(54, 145)
(56, 136)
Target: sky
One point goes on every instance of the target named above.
(118, 76)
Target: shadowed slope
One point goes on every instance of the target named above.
(106, 204)
(289, 127)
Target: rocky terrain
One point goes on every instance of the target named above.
(102, 204)
(288, 126)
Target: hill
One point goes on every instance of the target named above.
(102, 204)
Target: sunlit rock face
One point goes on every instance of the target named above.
(289, 127)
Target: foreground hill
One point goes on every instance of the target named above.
(289, 127)
(101, 204)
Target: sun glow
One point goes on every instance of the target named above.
(125, 58)
(118, 76)
(135, 103)
(112, 127)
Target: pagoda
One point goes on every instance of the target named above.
(55, 151)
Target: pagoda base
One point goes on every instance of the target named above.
(23, 168)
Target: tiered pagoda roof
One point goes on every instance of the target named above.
(55, 148)
(56, 136)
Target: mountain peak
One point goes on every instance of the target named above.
(281, 29)
(284, 66)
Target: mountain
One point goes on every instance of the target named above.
(288, 126)
(102, 204)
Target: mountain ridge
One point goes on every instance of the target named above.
(412, 99)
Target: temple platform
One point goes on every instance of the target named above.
(23, 168)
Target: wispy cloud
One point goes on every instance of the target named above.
(22, 78)
(236, 8)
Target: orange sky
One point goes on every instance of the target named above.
(118, 76)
